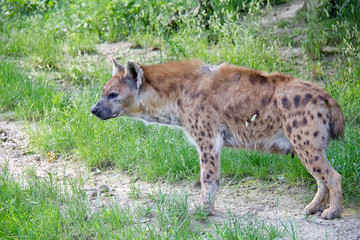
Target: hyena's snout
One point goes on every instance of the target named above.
(103, 111)
(95, 109)
(98, 110)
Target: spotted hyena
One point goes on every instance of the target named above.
(231, 106)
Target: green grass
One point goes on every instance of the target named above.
(47, 208)
(28, 98)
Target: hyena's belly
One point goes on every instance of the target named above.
(259, 139)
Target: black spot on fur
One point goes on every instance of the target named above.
(211, 172)
(319, 115)
(208, 176)
(285, 102)
(295, 124)
(316, 134)
(288, 128)
(308, 97)
(262, 80)
(298, 137)
(297, 101)
(210, 147)
(202, 133)
(304, 121)
(212, 163)
(314, 101)
(258, 79)
(316, 158)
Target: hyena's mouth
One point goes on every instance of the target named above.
(115, 115)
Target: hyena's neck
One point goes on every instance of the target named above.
(166, 114)
(163, 86)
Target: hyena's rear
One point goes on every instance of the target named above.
(234, 107)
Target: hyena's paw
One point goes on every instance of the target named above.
(331, 213)
(311, 209)
(208, 209)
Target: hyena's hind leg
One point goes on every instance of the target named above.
(328, 181)
(319, 202)
(309, 138)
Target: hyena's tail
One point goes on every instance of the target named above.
(337, 122)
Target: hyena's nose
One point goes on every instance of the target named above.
(94, 109)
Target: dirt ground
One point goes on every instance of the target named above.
(280, 204)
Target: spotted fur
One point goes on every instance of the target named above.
(237, 107)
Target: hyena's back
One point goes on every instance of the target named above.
(268, 111)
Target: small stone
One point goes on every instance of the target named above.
(136, 46)
(94, 195)
(37, 158)
(16, 155)
(330, 50)
(104, 189)
(95, 172)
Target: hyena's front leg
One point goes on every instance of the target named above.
(209, 153)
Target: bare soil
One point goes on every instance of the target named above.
(274, 203)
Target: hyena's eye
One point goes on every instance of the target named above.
(113, 95)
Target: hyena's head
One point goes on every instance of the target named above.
(119, 93)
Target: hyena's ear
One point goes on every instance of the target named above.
(135, 73)
(116, 67)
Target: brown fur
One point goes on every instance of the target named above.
(235, 107)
